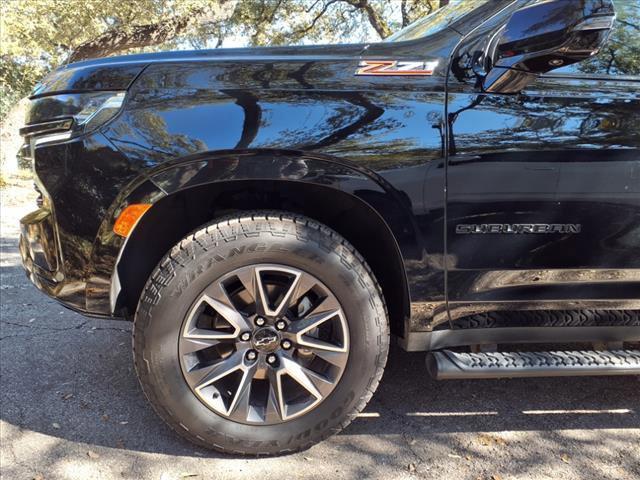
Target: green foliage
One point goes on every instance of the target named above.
(38, 35)
(17, 79)
(280, 22)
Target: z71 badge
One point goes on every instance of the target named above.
(393, 67)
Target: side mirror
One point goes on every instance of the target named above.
(546, 35)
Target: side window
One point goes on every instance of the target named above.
(621, 53)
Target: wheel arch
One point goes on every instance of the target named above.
(364, 211)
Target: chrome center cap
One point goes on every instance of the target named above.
(266, 340)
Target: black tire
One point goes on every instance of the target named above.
(208, 254)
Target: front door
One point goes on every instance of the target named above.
(543, 187)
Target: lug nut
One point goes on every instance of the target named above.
(260, 321)
(245, 337)
(251, 355)
(281, 324)
(271, 359)
(286, 344)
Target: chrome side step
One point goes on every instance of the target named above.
(446, 364)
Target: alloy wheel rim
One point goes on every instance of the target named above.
(264, 344)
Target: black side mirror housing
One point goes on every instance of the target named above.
(545, 35)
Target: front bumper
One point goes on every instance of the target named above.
(62, 243)
(42, 260)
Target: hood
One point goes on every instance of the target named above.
(117, 73)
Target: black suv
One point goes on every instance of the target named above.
(268, 217)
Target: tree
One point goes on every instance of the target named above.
(38, 35)
(621, 53)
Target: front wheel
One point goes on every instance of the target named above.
(260, 334)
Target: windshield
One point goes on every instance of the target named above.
(436, 21)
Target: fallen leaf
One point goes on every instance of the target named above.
(411, 467)
(564, 457)
(105, 417)
(55, 425)
(486, 440)
(453, 455)
(120, 443)
(92, 455)
(495, 476)
(467, 457)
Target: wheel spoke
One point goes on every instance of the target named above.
(328, 303)
(275, 399)
(248, 278)
(191, 345)
(239, 407)
(306, 379)
(322, 384)
(262, 303)
(305, 283)
(330, 355)
(294, 370)
(204, 376)
(300, 328)
(216, 297)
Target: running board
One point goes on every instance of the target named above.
(445, 364)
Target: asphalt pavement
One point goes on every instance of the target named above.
(71, 408)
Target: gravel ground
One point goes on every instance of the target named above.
(71, 408)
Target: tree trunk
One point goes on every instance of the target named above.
(405, 13)
(117, 40)
(375, 19)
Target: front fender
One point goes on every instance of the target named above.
(227, 166)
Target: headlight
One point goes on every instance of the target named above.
(98, 111)
(60, 117)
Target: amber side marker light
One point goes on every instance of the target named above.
(129, 217)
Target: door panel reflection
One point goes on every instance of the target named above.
(565, 151)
